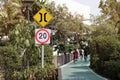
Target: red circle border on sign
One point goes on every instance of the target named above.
(38, 39)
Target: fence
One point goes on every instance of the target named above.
(62, 59)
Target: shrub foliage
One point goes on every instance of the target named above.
(105, 56)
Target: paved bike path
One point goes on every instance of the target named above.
(79, 71)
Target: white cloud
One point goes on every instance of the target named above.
(75, 7)
(118, 0)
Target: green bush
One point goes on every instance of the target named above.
(105, 46)
(112, 69)
(20, 58)
(105, 55)
(12, 65)
(10, 61)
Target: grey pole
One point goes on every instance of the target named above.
(42, 59)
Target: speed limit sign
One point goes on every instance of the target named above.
(42, 36)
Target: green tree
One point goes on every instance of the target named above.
(10, 14)
(111, 11)
(105, 43)
(20, 58)
(65, 23)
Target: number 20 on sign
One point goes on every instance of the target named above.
(42, 36)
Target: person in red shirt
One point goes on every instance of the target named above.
(75, 55)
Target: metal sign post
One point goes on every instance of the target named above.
(42, 36)
(42, 59)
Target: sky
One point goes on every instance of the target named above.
(82, 7)
(93, 4)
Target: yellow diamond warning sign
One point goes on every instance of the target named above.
(43, 17)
